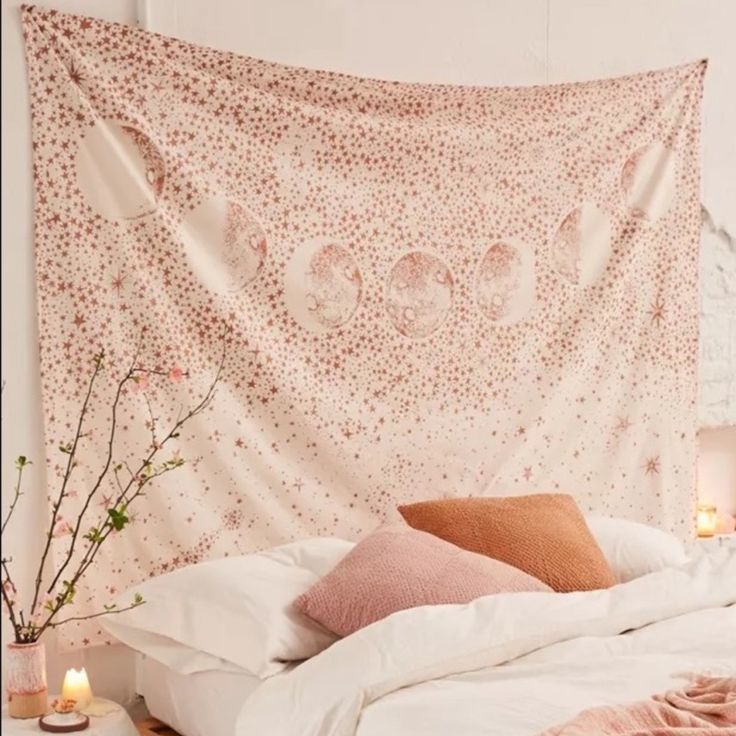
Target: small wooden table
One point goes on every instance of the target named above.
(154, 727)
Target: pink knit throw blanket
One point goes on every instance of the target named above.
(707, 705)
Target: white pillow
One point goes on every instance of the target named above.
(634, 549)
(231, 613)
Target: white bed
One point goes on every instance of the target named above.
(511, 664)
(198, 704)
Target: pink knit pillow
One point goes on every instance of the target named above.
(397, 567)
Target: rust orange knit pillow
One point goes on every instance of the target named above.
(544, 535)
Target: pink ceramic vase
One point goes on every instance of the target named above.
(27, 692)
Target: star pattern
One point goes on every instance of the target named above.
(657, 311)
(622, 424)
(416, 306)
(651, 466)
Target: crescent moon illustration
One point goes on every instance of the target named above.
(225, 245)
(649, 181)
(581, 247)
(323, 286)
(505, 282)
(120, 171)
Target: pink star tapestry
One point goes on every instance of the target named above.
(424, 291)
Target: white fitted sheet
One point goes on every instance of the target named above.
(198, 704)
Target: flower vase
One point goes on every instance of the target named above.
(27, 691)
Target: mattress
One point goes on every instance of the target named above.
(199, 704)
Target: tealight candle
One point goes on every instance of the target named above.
(76, 687)
(707, 520)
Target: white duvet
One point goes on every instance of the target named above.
(511, 664)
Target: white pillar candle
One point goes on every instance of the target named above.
(76, 687)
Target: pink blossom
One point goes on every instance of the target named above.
(62, 528)
(9, 588)
(10, 593)
(141, 382)
(176, 374)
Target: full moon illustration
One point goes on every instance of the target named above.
(648, 181)
(582, 245)
(322, 286)
(225, 245)
(120, 171)
(419, 294)
(505, 282)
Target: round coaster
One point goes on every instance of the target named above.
(63, 722)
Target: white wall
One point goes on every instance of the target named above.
(717, 468)
(110, 669)
(464, 41)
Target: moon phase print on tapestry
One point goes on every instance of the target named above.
(430, 290)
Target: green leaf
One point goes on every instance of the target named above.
(66, 448)
(110, 606)
(93, 535)
(138, 599)
(118, 518)
(67, 595)
(22, 461)
(174, 462)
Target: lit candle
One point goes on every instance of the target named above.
(707, 520)
(76, 687)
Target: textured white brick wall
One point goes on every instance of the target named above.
(717, 326)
